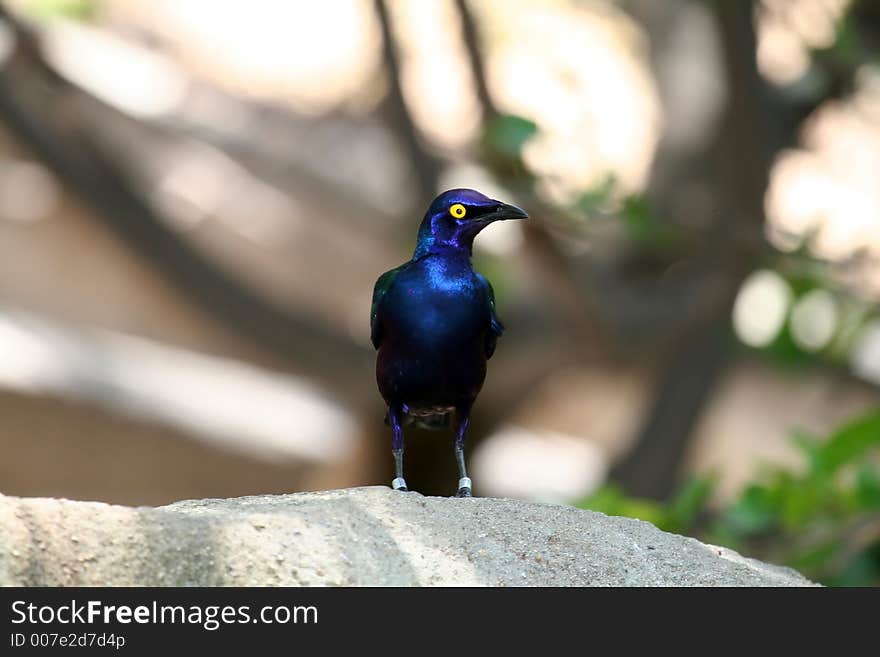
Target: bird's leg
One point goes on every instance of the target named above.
(464, 482)
(398, 483)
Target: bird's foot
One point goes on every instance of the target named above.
(464, 487)
(399, 484)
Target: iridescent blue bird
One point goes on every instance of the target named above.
(434, 325)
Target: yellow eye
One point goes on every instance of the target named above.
(458, 211)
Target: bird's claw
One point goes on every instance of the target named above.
(464, 492)
(464, 487)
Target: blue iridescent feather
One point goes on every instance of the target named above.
(433, 319)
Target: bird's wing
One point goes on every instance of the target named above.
(382, 286)
(496, 328)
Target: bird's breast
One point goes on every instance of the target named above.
(433, 350)
(436, 308)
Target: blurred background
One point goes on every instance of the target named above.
(197, 197)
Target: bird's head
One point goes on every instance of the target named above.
(454, 218)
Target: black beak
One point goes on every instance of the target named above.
(504, 211)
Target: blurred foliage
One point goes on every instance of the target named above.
(69, 9)
(822, 519)
(496, 270)
(502, 142)
(803, 275)
(507, 134)
(784, 349)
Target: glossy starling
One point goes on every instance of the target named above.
(434, 325)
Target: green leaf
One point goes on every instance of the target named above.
(496, 270)
(639, 219)
(800, 518)
(69, 9)
(689, 502)
(797, 501)
(611, 501)
(846, 42)
(599, 197)
(813, 560)
(753, 513)
(849, 443)
(809, 445)
(642, 223)
(862, 570)
(868, 487)
(507, 134)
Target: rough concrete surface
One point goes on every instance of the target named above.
(360, 536)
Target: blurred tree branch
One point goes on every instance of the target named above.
(471, 37)
(580, 307)
(425, 165)
(89, 173)
(625, 307)
(746, 143)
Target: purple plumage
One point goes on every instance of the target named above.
(434, 325)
